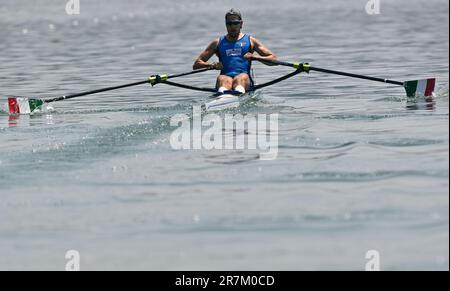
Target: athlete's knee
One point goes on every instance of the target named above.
(242, 80)
(224, 79)
(224, 83)
(242, 77)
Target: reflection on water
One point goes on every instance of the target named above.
(13, 120)
(421, 103)
(16, 120)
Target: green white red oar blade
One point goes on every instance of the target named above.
(420, 88)
(22, 105)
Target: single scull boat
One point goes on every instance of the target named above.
(228, 99)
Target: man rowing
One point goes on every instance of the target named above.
(235, 52)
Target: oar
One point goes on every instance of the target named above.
(24, 105)
(414, 88)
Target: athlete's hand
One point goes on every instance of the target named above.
(249, 56)
(216, 66)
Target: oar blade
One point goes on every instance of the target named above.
(23, 105)
(420, 88)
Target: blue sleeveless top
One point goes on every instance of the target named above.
(231, 55)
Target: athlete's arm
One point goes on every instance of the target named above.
(264, 53)
(202, 60)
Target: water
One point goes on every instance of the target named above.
(359, 167)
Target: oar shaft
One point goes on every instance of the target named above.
(281, 63)
(95, 91)
(189, 73)
(356, 76)
(151, 80)
(296, 66)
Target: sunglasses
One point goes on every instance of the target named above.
(233, 22)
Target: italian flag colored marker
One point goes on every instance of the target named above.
(21, 105)
(418, 88)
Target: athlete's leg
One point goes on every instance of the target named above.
(241, 82)
(224, 83)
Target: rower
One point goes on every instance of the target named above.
(235, 52)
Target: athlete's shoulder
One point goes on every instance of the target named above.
(214, 43)
(253, 42)
(253, 39)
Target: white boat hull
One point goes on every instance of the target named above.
(225, 101)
